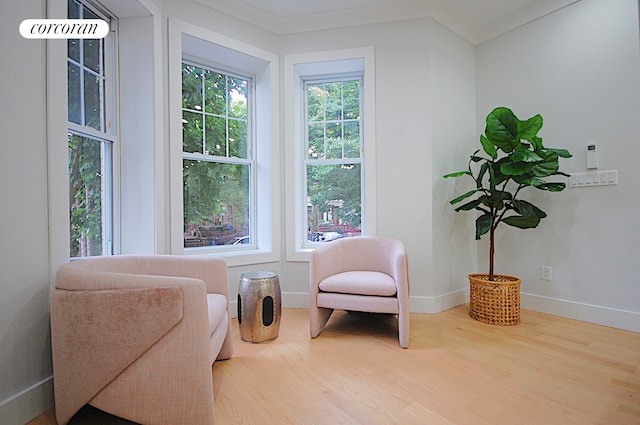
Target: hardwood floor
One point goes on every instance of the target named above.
(547, 370)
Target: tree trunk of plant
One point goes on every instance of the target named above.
(491, 250)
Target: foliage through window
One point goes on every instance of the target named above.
(217, 156)
(333, 158)
(91, 136)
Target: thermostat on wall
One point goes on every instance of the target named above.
(592, 157)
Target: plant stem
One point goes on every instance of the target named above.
(491, 251)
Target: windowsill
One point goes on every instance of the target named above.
(302, 254)
(237, 257)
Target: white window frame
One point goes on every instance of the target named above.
(108, 136)
(301, 67)
(188, 40)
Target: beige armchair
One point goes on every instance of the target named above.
(363, 273)
(136, 336)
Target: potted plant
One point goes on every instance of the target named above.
(512, 158)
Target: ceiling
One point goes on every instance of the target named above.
(476, 20)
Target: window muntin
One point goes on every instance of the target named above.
(91, 137)
(333, 157)
(218, 167)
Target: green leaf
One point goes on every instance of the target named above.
(562, 153)
(457, 174)
(497, 177)
(501, 195)
(525, 155)
(536, 142)
(552, 187)
(483, 225)
(502, 129)
(528, 180)
(488, 147)
(548, 166)
(470, 205)
(481, 173)
(516, 168)
(522, 222)
(527, 209)
(465, 196)
(529, 129)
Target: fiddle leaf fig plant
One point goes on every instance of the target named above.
(512, 158)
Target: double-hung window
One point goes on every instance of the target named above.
(333, 157)
(217, 155)
(92, 135)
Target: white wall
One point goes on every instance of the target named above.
(579, 68)
(452, 87)
(25, 345)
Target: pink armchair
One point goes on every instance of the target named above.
(136, 336)
(360, 274)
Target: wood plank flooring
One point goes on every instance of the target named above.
(547, 370)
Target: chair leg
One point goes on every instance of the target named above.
(319, 318)
(403, 330)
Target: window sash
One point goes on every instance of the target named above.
(106, 132)
(305, 104)
(309, 162)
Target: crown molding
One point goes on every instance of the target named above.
(444, 12)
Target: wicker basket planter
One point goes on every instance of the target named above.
(494, 302)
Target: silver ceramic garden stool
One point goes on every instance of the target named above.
(259, 306)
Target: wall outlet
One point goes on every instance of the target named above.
(545, 272)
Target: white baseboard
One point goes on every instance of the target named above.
(27, 404)
(439, 303)
(616, 318)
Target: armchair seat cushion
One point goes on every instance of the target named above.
(360, 283)
(217, 306)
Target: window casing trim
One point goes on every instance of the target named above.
(183, 37)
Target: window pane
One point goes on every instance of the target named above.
(191, 132)
(334, 140)
(351, 99)
(238, 138)
(334, 100)
(216, 203)
(352, 139)
(214, 89)
(315, 102)
(191, 87)
(237, 98)
(92, 101)
(73, 85)
(73, 9)
(334, 194)
(215, 136)
(73, 49)
(86, 187)
(316, 141)
(91, 51)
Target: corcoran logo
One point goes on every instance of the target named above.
(64, 28)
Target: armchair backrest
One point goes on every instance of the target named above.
(363, 253)
(212, 271)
